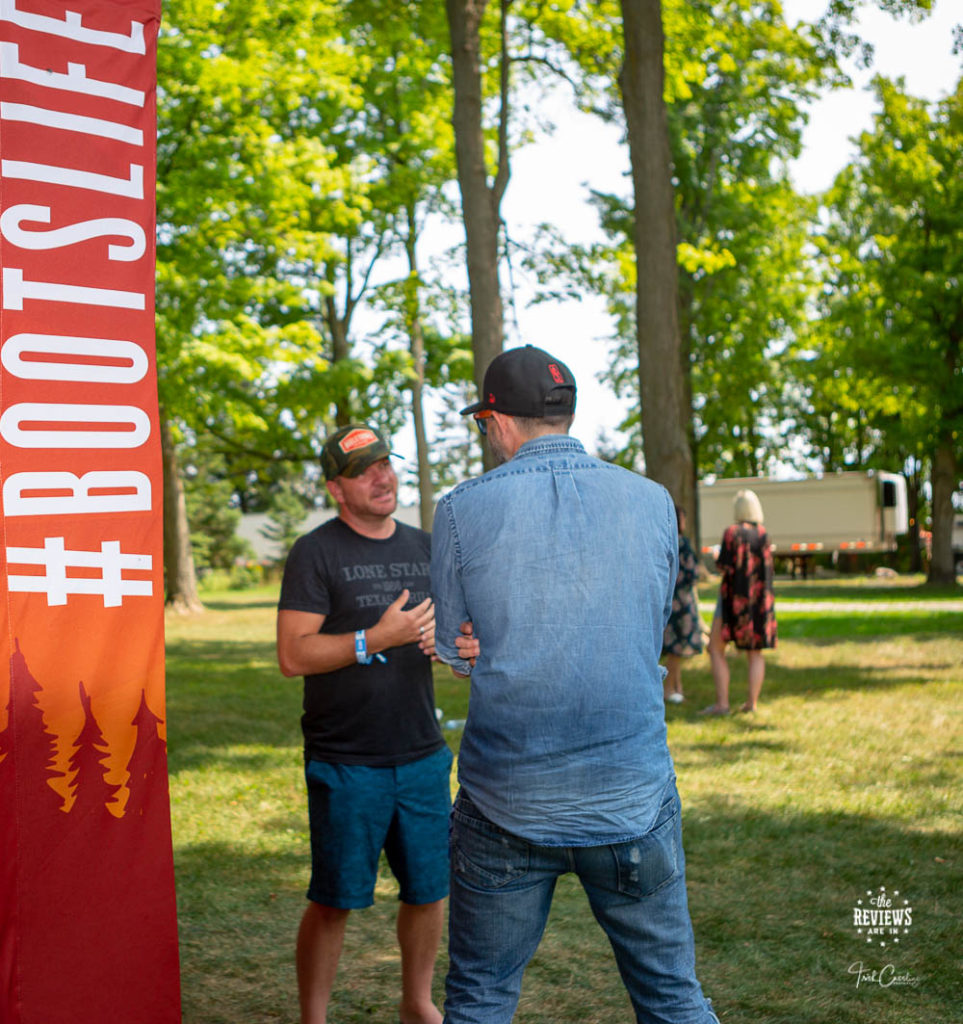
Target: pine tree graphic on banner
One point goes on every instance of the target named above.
(35, 756)
(147, 758)
(7, 774)
(87, 763)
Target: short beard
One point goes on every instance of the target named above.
(499, 453)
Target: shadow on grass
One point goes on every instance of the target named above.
(772, 892)
(222, 696)
(238, 913)
(772, 899)
(241, 603)
(735, 750)
(815, 684)
(827, 682)
(881, 591)
(220, 651)
(815, 627)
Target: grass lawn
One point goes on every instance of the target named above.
(846, 783)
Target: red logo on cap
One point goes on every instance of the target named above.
(491, 398)
(357, 439)
(556, 373)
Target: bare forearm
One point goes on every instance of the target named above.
(318, 653)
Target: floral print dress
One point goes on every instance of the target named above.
(746, 602)
(683, 632)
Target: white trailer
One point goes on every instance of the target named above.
(837, 512)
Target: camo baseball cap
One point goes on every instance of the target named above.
(351, 450)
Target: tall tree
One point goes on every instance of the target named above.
(408, 138)
(481, 192)
(668, 458)
(735, 81)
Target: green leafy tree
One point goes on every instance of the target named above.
(237, 86)
(409, 142)
(288, 511)
(894, 253)
(497, 52)
(736, 81)
(214, 516)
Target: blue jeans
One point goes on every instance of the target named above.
(501, 892)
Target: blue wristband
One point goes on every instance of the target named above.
(361, 650)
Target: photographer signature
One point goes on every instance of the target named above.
(884, 977)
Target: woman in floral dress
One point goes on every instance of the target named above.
(683, 632)
(745, 613)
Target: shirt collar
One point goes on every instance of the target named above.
(549, 444)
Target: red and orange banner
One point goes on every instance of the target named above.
(87, 915)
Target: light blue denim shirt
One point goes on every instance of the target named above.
(565, 565)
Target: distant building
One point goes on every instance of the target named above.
(267, 551)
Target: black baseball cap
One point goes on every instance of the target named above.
(351, 450)
(526, 381)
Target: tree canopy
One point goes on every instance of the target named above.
(311, 152)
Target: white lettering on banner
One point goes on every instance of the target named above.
(97, 350)
(71, 28)
(57, 585)
(70, 234)
(16, 289)
(127, 491)
(131, 187)
(75, 80)
(71, 122)
(14, 429)
(46, 75)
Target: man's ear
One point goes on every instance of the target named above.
(334, 489)
(507, 432)
(504, 421)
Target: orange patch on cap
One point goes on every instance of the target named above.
(357, 439)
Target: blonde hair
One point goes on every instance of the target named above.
(746, 508)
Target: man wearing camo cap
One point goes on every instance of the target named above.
(355, 618)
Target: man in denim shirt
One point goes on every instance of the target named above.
(564, 565)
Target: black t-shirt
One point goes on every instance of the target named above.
(380, 714)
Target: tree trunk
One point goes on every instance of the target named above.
(180, 580)
(340, 349)
(913, 508)
(668, 458)
(480, 202)
(426, 493)
(416, 341)
(944, 480)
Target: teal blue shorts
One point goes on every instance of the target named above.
(355, 812)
